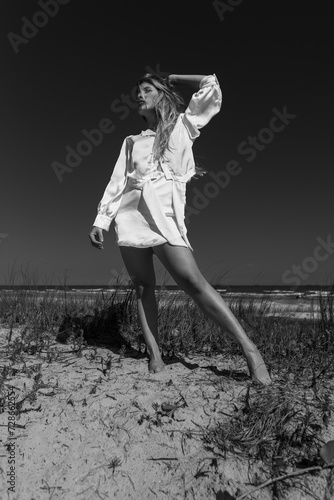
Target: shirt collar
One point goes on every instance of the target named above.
(147, 132)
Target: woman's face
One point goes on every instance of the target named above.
(147, 96)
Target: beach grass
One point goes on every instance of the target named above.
(281, 425)
(298, 347)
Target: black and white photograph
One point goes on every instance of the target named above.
(166, 250)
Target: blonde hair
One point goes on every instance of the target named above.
(168, 108)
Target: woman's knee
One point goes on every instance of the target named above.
(143, 286)
(139, 264)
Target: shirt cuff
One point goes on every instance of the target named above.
(102, 222)
(208, 80)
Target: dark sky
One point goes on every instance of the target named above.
(270, 223)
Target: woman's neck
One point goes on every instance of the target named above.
(152, 124)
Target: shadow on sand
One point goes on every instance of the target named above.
(231, 374)
(104, 329)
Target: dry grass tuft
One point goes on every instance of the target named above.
(280, 425)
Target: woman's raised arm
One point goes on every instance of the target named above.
(193, 80)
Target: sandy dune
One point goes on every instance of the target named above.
(99, 427)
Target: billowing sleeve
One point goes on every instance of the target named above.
(203, 105)
(112, 197)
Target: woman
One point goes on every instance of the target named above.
(146, 198)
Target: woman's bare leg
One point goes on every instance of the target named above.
(180, 263)
(139, 264)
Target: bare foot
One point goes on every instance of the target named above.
(156, 366)
(257, 368)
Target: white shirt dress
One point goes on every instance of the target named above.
(145, 198)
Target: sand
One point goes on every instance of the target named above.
(97, 428)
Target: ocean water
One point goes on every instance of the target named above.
(302, 298)
(274, 301)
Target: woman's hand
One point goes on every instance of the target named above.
(96, 237)
(170, 79)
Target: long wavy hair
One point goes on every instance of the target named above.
(168, 107)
